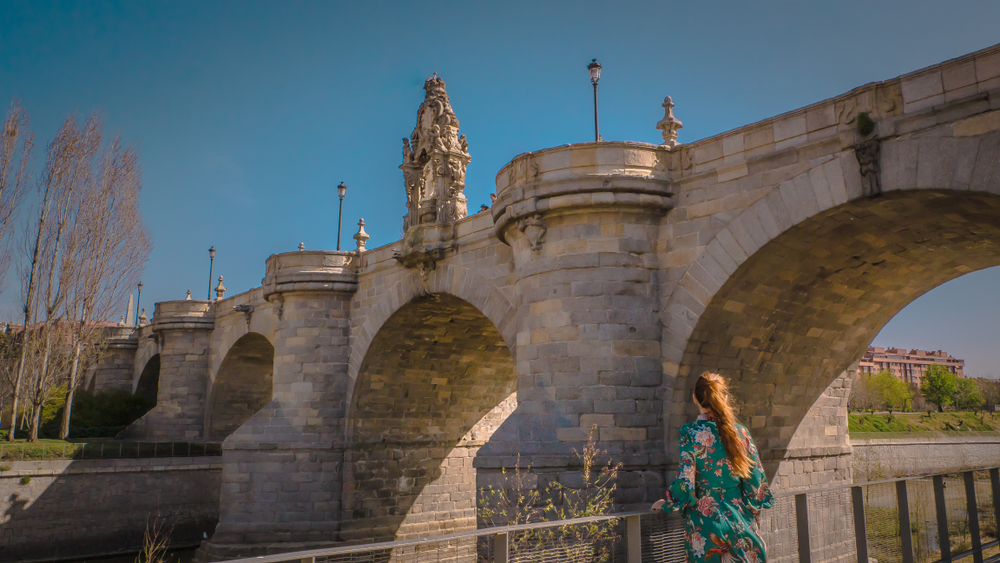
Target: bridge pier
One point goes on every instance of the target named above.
(583, 222)
(282, 476)
(183, 330)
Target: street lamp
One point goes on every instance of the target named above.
(211, 263)
(595, 76)
(342, 191)
(138, 300)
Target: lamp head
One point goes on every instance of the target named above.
(595, 71)
(211, 252)
(140, 286)
(342, 190)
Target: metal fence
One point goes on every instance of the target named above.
(940, 518)
(42, 451)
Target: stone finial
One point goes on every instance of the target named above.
(121, 321)
(669, 124)
(220, 290)
(434, 162)
(143, 319)
(361, 236)
(188, 298)
(302, 246)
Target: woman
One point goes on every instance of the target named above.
(721, 487)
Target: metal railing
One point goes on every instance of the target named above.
(42, 451)
(941, 518)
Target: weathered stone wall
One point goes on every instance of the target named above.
(89, 508)
(918, 456)
(114, 367)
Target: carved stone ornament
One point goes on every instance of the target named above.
(434, 161)
(278, 302)
(688, 160)
(867, 153)
(424, 261)
(247, 311)
(534, 229)
(847, 111)
(669, 124)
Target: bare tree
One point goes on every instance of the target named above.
(17, 144)
(85, 250)
(115, 245)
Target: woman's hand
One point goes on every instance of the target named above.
(658, 505)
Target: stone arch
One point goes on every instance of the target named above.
(148, 383)
(437, 381)
(787, 295)
(242, 386)
(458, 281)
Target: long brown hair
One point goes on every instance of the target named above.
(712, 393)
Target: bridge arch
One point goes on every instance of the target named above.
(458, 281)
(242, 386)
(784, 298)
(437, 381)
(147, 385)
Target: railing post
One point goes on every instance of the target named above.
(633, 530)
(501, 547)
(860, 526)
(802, 527)
(995, 485)
(905, 534)
(942, 518)
(973, 511)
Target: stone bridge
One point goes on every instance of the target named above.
(366, 395)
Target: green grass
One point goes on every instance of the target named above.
(949, 423)
(46, 450)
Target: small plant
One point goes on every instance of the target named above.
(865, 124)
(25, 480)
(4, 468)
(155, 541)
(521, 500)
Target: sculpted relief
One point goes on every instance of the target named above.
(434, 162)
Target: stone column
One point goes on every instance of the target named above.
(583, 222)
(183, 330)
(282, 470)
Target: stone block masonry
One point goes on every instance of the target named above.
(90, 508)
(605, 278)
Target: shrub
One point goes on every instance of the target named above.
(25, 480)
(96, 414)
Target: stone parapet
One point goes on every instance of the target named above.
(310, 270)
(581, 176)
(184, 315)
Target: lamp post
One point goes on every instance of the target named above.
(595, 76)
(138, 301)
(211, 263)
(341, 191)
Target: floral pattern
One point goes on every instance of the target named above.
(720, 509)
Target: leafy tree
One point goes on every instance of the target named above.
(990, 390)
(938, 386)
(967, 395)
(892, 393)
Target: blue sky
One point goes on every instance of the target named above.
(248, 114)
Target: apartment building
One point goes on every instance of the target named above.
(908, 365)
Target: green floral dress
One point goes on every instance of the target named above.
(720, 509)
